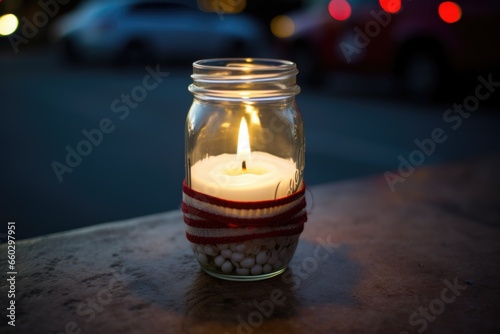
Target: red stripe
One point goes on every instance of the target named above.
(277, 220)
(203, 223)
(241, 205)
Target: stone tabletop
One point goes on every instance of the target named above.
(421, 258)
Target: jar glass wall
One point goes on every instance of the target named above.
(245, 144)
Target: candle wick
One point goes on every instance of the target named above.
(244, 166)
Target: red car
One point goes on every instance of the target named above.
(423, 42)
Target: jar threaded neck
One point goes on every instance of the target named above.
(247, 79)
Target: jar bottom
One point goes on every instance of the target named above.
(251, 260)
(241, 278)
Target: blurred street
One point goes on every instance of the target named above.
(355, 126)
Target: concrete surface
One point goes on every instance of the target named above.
(421, 259)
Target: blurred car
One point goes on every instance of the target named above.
(422, 42)
(134, 30)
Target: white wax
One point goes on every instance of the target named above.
(266, 177)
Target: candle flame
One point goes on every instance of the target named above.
(243, 152)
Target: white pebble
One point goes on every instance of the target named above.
(247, 262)
(219, 260)
(210, 250)
(222, 246)
(233, 247)
(227, 267)
(199, 249)
(242, 271)
(226, 253)
(261, 258)
(240, 248)
(267, 268)
(273, 257)
(237, 257)
(256, 270)
(202, 258)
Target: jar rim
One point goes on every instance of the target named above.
(245, 64)
(244, 78)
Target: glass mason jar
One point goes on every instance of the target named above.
(244, 167)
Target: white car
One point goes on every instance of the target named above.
(134, 30)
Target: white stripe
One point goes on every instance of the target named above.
(236, 232)
(239, 213)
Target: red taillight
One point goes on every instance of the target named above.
(339, 9)
(390, 6)
(449, 11)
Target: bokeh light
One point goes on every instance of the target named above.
(339, 9)
(390, 6)
(8, 24)
(222, 6)
(449, 11)
(282, 26)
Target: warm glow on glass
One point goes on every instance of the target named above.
(339, 9)
(254, 116)
(449, 11)
(8, 24)
(390, 6)
(243, 152)
(282, 26)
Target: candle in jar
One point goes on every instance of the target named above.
(245, 176)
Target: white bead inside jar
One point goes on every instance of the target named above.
(249, 258)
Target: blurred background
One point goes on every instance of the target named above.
(376, 75)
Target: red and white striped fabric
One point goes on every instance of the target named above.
(211, 220)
